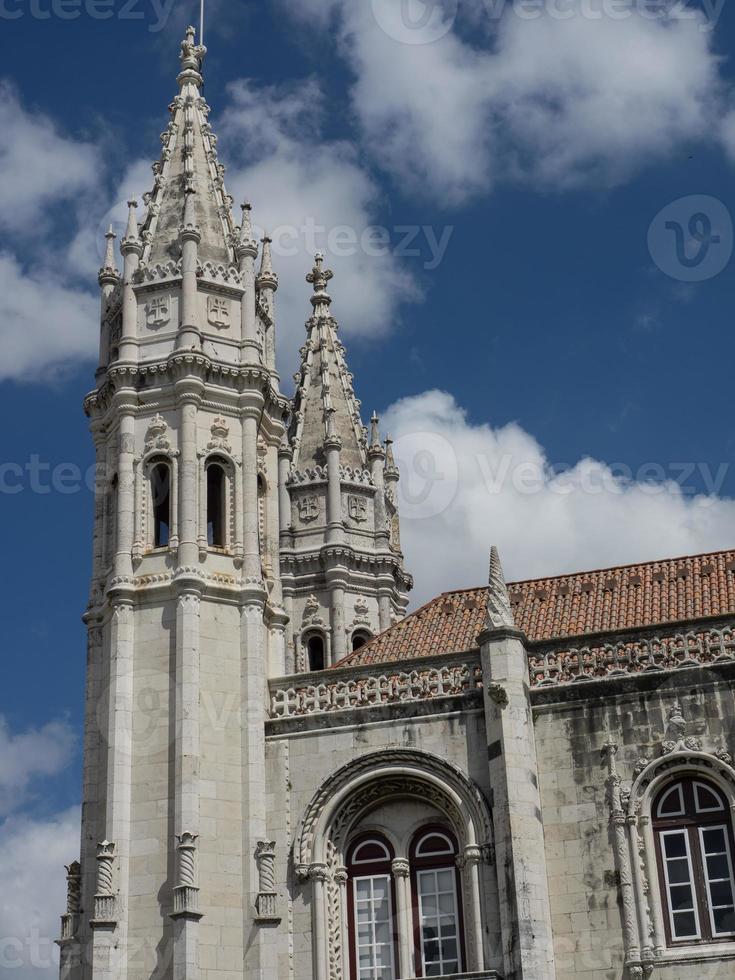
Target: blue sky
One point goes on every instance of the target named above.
(558, 331)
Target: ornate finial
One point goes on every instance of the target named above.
(246, 241)
(191, 56)
(499, 612)
(319, 277)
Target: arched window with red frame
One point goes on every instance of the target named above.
(694, 850)
(371, 908)
(437, 909)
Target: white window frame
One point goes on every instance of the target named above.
(680, 812)
(703, 854)
(680, 831)
(708, 789)
(389, 881)
(420, 872)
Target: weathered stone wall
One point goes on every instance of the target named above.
(300, 761)
(573, 724)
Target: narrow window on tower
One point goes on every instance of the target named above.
(216, 505)
(315, 652)
(161, 498)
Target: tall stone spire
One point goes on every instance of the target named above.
(341, 564)
(189, 164)
(325, 385)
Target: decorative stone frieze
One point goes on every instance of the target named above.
(665, 651)
(289, 699)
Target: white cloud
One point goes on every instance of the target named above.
(26, 755)
(546, 98)
(38, 166)
(33, 854)
(46, 326)
(298, 182)
(465, 486)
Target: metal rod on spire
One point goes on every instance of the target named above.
(201, 21)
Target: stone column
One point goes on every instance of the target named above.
(469, 865)
(319, 875)
(401, 872)
(70, 952)
(528, 951)
(261, 954)
(190, 236)
(247, 250)
(186, 913)
(125, 402)
(188, 393)
(332, 447)
(108, 278)
(132, 250)
(251, 407)
(342, 880)
(285, 455)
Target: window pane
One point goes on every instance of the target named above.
(439, 924)
(705, 799)
(724, 921)
(716, 849)
(373, 928)
(675, 845)
(685, 925)
(679, 881)
(672, 802)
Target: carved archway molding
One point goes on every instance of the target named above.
(630, 814)
(457, 795)
(358, 787)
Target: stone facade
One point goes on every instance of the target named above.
(503, 747)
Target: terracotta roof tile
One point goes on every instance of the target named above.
(604, 601)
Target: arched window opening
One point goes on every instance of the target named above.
(436, 903)
(216, 505)
(359, 639)
(694, 849)
(371, 909)
(160, 480)
(315, 652)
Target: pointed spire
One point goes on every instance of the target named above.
(131, 241)
(109, 273)
(499, 611)
(246, 244)
(375, 432)
(391, 470)
(267, 279)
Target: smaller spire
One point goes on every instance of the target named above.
(267, 279)
(246, 244)
(131, 241)
(375, 431)
(109, 272)
(391, 470)
(499, 611)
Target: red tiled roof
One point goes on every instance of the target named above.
(602, 601)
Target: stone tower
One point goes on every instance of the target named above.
(341, 562)
(185, 617)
